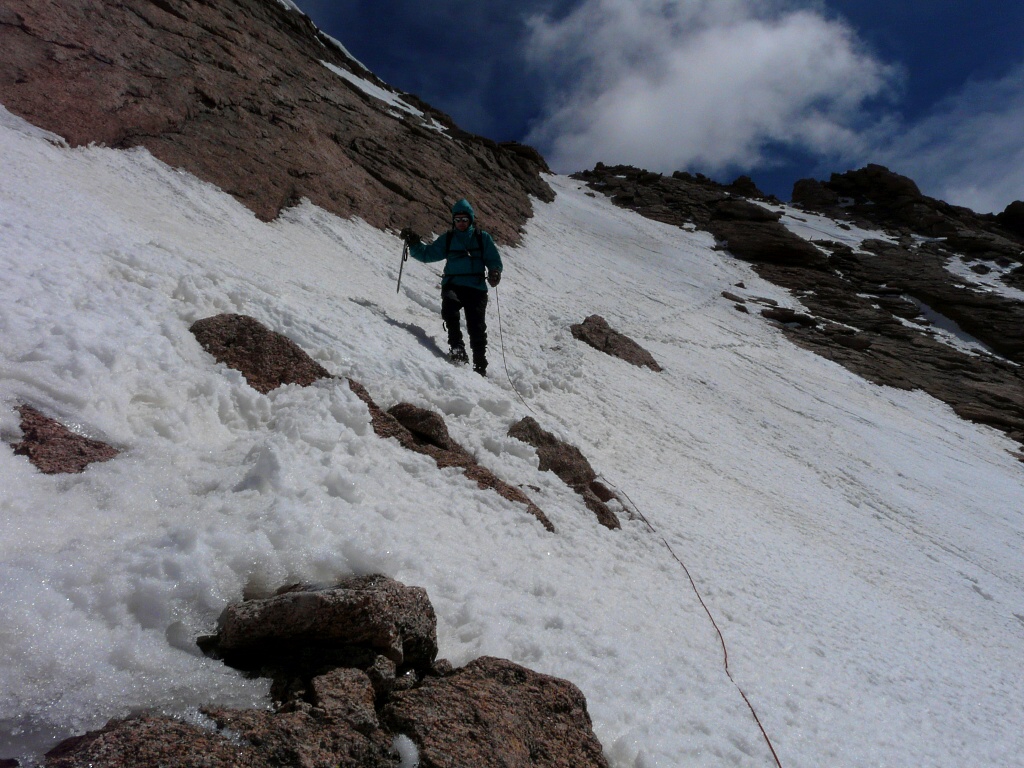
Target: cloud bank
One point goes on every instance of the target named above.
(970, 150)
(708, 84)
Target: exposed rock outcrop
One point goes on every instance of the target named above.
(811, 193)
(339, 702)
(917, 275)
(239, 93)
(426, 427)
(224, 738)
(596, 332)
(568, 462)
(423, 431)
(1012, 218)
(266, 358)
(745, 187)
(755, 239)
(53, 448)
(1015, 278)
(680, 199)
(876, 197)
(748, 231)
(787, 315)
(869, 314)
(496, 714)
(269, 359)
(374, 614)
(867, 320)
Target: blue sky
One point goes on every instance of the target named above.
(777, 89)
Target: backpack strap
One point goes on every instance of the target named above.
(479, 246)
(479, 241)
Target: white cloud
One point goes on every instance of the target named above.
(667, 84)
(970, 150)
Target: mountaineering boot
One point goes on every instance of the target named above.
(458, 356)
(479, 362)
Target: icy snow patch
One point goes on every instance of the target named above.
(949, 331)
(388, 97)
(989, 282)
(813, 226)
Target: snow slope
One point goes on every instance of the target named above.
(859, 547)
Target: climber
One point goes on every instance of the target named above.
(468, 252)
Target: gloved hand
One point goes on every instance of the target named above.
(494, 277)
(410, 237)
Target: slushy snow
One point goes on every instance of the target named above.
(859, 547)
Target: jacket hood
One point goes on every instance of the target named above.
(463, 206)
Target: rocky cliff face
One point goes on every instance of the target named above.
(249, 95)
(874, 308)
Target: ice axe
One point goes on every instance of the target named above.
(401, 266)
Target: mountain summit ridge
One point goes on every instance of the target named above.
(242, 94)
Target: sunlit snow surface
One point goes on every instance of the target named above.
(813, 226)
(990, 282)
(388, 97)
(859, 547)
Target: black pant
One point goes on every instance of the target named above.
(458, 297)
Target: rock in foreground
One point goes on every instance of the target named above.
(596, 332)
(228, 739)
(345, 710)
(496, 714)
(372, 612)
(266, 358)
(53, 448)
(568, 462)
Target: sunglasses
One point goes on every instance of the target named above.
(460, 219)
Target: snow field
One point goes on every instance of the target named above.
(858, 546)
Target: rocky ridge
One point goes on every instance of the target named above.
(868, 307)
(250, 96)
(423, 431)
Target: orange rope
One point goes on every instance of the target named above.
(721, 637)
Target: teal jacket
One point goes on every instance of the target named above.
(467, 256)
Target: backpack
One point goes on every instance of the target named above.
(479, 248)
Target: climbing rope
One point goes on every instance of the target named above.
(501, 338)
(651, 528)
(700, 598)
